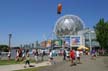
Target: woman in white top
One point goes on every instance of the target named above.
(78, 56)
(9, 55)
(17, 55)
(51, 55)
(51, 59)
(68, 54)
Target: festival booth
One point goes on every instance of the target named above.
(83, 49)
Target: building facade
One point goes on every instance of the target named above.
(71, 29)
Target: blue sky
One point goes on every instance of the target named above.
(28, 20)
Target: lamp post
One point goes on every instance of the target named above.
(52, 47)
(90, 40)
(9, 46)
(10, 36)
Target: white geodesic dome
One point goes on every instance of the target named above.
(68, 25)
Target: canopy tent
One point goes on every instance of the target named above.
(82, 47)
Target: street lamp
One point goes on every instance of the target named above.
(9, 46)
(52, 40)
(90, 40)
(10, 36)
(89, 37)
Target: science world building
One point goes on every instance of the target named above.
(72, 30)
(68, 25)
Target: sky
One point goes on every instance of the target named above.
(32, 20)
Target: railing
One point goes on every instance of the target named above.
(3, 55)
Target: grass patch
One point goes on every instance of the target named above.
(12, 61)
(32, 69)
(8, 62)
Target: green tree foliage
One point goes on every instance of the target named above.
(4, 48)
(101, 30)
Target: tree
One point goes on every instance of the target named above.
(101, 30)
(4, 48)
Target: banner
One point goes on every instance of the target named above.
(48, 43)
(75, 41)
(57, 43)
(67, 41)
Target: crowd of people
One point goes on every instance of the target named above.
(68, 54)
(72, 55)
(75, 55)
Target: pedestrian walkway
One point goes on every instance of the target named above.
(100, 64)
(21, 66)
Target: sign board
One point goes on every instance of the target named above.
(67, 41)
(75, 41)
(57, 43)
(48, 43)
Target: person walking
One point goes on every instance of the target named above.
(51, 58)
(36, 55)
(72, 56)
(9, 55)
(23, 54)
(67, 54)
(17, 55)
(64, 55)
(27, 59)
(93, 54)
(78, 57)
(42, 56)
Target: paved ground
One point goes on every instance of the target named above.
(100, 64)
(21, 66)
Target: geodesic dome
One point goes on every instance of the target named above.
(68, 25)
